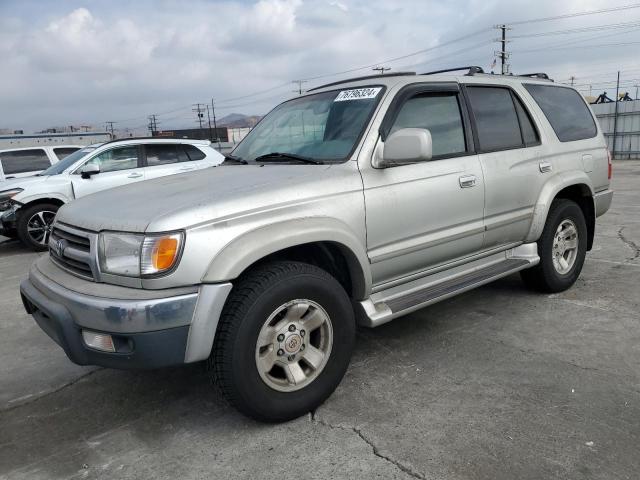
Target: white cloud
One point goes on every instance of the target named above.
(69, 63)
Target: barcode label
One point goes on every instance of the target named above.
(358, 94)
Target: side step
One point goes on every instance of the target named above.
(394, 302)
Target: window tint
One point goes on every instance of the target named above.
(194, 152)
(566, 111)
(123, 158)
(62, 152)
(23, 161)
(440, 114)
(161, 154)
(496, 119)
(529, 133)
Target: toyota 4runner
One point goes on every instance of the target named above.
(358, 202)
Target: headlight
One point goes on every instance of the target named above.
(133, 255)
(6, 196)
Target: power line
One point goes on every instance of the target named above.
(580, 30)
(576, 14)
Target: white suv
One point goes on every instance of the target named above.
(27, 161)
(29, 205)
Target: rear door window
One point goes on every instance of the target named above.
(161, 154)
(566, 111)
(495, 117)
(23, 161)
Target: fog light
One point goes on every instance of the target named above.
(99, 341)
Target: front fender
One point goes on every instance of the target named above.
(248, 248)
(549, 191)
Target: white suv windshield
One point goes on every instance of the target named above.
(62, 165)
(323, 126)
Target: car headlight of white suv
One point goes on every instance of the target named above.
(6, 196)
(137, 255)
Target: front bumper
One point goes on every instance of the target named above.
(150, 329)
(8, 221)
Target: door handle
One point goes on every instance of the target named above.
(545, 167)
(467, 181)
(134, 175)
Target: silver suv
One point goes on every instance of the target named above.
(359, 202)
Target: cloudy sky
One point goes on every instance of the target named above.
(86, 62)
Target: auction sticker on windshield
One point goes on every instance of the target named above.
(358, 94)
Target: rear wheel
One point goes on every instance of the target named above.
(284, 341)
(562, 248)
(34, 225)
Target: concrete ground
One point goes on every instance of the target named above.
(496, 383)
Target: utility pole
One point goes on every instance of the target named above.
(215, 126)
(299, 83)
(615, 118)
(636, 97)
(197, 107)
(209, 120)
(153, 124)
(381, 69)
(503, 54)
(572, 78)
(110, 129)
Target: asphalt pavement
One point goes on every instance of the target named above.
(498, 383)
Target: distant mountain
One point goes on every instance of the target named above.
(238, 120)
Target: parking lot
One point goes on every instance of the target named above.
(496, 383)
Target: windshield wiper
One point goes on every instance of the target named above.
(239, 160)
(279, 157)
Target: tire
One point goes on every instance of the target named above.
(248, 315)
(552, 277)
(34, 225)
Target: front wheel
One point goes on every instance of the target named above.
(34, 225)
(284, 341)
(562, 248)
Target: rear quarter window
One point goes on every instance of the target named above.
(566, 111)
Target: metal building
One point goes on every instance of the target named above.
(627, 127)
(52, 139)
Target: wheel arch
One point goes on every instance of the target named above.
(574, 186)
(326, 243)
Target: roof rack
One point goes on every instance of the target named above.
(472, 70)
(540, 75)
(173, 139)
(397, 74)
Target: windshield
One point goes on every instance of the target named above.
(323, 126)
(62, 165)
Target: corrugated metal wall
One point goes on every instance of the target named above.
(628, 131)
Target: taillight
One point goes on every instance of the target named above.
(610, 173)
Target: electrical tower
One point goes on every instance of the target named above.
(199, 111)
(502, 54)
(109, 127)
(299, 83)
(381, 69)
(153, 124)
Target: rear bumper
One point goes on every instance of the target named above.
(602, 201)
(149, 329)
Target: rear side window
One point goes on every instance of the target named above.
(62, 152)
(194, 153)
(440, 114)
(529, 133)
(566, 111)
(161, 154)
(23, 161)
(496, 118)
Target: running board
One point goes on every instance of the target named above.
(385, 305)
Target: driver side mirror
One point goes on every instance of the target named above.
(405, 146)
(89, 170)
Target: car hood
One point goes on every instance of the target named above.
(180, 201)
(22, 182)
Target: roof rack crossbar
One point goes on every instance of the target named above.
(367, 77)
(472, 70)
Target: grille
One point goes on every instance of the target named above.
(75, 252)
